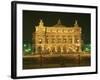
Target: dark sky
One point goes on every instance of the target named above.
(32, 18)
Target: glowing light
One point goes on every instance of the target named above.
(87, 49)
(26, 50)
(29, 49)
(25, 45)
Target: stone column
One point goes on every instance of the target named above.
(73, 39)
(55, 48)
(61, 49)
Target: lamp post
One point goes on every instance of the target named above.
(40, 51)
(40, 59)
(79, 59)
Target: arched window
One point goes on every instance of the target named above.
(69, 39)
(76, 40)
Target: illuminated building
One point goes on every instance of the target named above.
(57, 38)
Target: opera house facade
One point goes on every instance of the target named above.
(57, 38)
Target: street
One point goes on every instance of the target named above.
(56, 60)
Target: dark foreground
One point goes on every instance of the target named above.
(56, 60)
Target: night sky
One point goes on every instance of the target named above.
(32, 19)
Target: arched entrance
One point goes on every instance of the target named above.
(53, 49)
(64, 50)
(58, 50)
